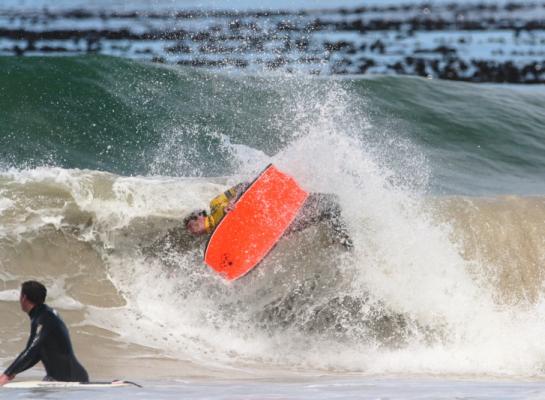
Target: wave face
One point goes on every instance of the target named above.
(438, 182)
(132, 118)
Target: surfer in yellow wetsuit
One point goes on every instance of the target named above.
(317, 208)
(200, 222)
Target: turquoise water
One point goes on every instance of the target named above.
(134, 118)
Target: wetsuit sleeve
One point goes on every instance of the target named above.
(31, 354)
(217, 211)
(219, 203)
(236, 191)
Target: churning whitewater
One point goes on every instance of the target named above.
(445, 275)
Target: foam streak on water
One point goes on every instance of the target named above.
(368, 389)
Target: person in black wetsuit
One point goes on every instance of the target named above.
(49, 341)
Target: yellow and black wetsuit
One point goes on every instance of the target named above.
(219, 203)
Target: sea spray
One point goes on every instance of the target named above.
(409, 298)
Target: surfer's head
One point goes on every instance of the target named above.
(32, 294)
(195, 222)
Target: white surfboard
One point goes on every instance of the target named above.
(65, 385)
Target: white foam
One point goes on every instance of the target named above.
(56, 296)
(66, 303)
(9, 295)
(5, 204)
(403, 257)
(113, 200)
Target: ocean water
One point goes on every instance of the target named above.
(440, 184)
(341, 388)
(208, 4)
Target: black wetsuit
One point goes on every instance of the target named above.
(49, 342)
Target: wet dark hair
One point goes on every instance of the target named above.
(34, 291)
(194, 215)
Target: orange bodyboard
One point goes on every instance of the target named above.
(257, 221)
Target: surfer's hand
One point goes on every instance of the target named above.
(5, 379)
(229, 207)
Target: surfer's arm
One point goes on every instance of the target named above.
(234, 193)
(222, 204)
(30, 355)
